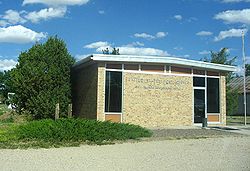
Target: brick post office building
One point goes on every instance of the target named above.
(150, 91)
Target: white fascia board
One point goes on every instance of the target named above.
(159, 60)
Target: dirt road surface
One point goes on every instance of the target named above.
(228, 153)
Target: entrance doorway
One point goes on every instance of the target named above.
(199, 105)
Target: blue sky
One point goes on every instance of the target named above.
(182, 28)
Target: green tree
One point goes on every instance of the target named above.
(5, 87)
(115, 51)
(223, 57)
(42, 78)
(232, 98)
(247, 69)
(105, 51)
(2, 87)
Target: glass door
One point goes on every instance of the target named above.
(199, 105)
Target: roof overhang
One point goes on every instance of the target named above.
(156, 60)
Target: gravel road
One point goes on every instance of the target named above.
(228, 153)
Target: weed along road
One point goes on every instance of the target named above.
(228, 153)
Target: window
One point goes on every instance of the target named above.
(199, 82)
(113, 91)
(114, 66)
(198, 72)
(152, 68)
(211, 73)
(179, 70)
(213, 95)
(131, 67)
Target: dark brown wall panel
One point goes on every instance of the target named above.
(84, 91)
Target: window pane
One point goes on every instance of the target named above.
(199, 82)
(180, 70)
(114, 66)
(198, 72)
(152, 68)
(113, 91)
(199, 105)
(213, 104)
(131, 67)
(210, 73)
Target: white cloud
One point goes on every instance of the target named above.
(178, 17)
(248, 59)
(204, 52)
(3, 23)
(101, 12)
(46, 14)
(240, 69)
(56, 2)
(234, 1)
(191, 19)
(186, 56)
(12, 17)
(204, 33)
(139, 51)
(19, 34)
(96, 45)
(144, 36)
(234, 16)
(158, 35)
(134, 44)
(127, 50)
(161, 34)
(178, 48)
(230, 33)
(7, 64)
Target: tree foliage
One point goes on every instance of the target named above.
(232, 98)
(42, 78)
(223, 57)
(247, 69)
(115, 51)
(5, 87)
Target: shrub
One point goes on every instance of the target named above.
(78, 130)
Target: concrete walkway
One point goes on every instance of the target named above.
(244, 130)
(228, 153)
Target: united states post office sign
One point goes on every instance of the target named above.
(167, 83)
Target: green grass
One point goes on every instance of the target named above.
(4, 109)
(237, 120)
(67, 132)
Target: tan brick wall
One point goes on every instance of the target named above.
(155, 100)
(101, 92)
(223, 99)
(152, 100)
(84, 90)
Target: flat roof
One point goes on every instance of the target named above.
(156, 60)
(237, 83)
